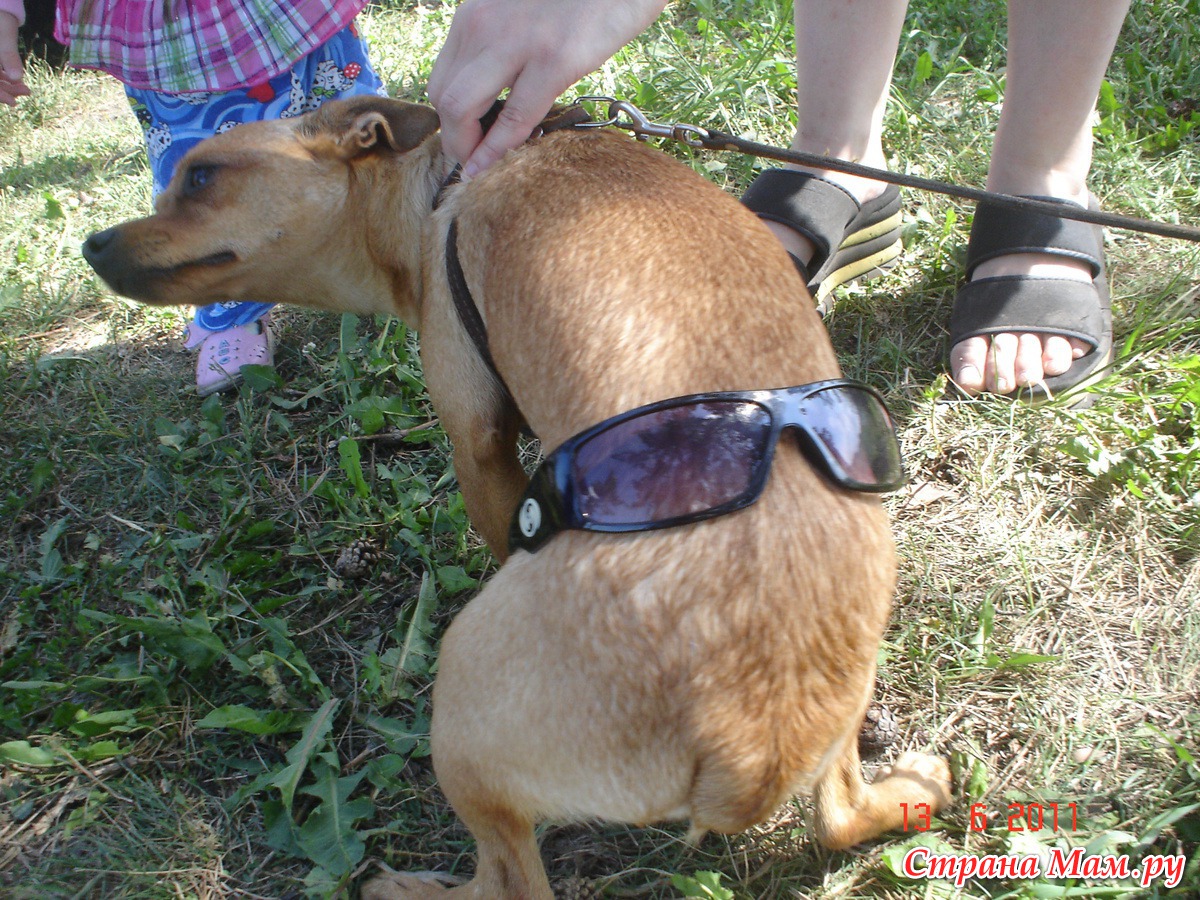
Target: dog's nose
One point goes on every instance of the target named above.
(94, 246)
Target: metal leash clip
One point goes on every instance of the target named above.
(637, 122)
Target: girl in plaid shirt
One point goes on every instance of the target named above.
(192, 69)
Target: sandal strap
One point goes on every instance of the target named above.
(1009, 304)
(813, 206)
(1003, 231)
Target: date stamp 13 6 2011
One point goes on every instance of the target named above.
(1015, 817)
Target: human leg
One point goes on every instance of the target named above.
(1057, 56)
(228, 335)
(845, 51)
(841, 95)
(840, 105)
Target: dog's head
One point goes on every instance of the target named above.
(275, 211)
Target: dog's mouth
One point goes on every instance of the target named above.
(148, 283)
(213, 259)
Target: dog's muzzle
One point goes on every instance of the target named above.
(109, 254)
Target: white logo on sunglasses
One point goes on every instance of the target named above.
(530, 517)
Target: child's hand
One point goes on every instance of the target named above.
(538, 48)
(12, 76)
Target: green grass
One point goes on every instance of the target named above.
(199, 699)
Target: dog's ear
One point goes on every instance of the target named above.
(394, 125)
(367, 124)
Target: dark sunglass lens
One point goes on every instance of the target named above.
(855, 431)
(671, 462)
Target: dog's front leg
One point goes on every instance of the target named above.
(482, 422)
(490, 474)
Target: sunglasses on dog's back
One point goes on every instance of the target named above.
(690, 458)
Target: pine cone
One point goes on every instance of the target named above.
(878, 732)
(576, 887)
(356, 560)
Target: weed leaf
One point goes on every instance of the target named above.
(705, 885)
(262, 378)
(191, 641)
(312, 741)
(22, 753)
(251, 721)
(413, 655)
(350, 458)
(327, 836)
(407, 740)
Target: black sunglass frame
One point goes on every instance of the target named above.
(549, 506)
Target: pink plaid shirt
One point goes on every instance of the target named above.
(180, 46)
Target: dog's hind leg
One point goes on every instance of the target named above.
(509, 866)
(509, 736)
(848, 810)
(508, 862)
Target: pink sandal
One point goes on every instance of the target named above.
(223, 353)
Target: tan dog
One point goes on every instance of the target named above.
(706, 672)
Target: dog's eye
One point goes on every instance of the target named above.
(198, 178)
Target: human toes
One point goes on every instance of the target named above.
(968, 362)
(1029, 366)
(1000, 376)
(1060, 353)
(999, 363)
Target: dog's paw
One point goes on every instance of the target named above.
(929, 775)
(389, 885)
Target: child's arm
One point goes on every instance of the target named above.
(12, 75)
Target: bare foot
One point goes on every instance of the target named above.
(1001, 363)
(1006, 362)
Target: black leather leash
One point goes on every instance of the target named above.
(623, 114)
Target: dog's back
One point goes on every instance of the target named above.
(629, 279)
